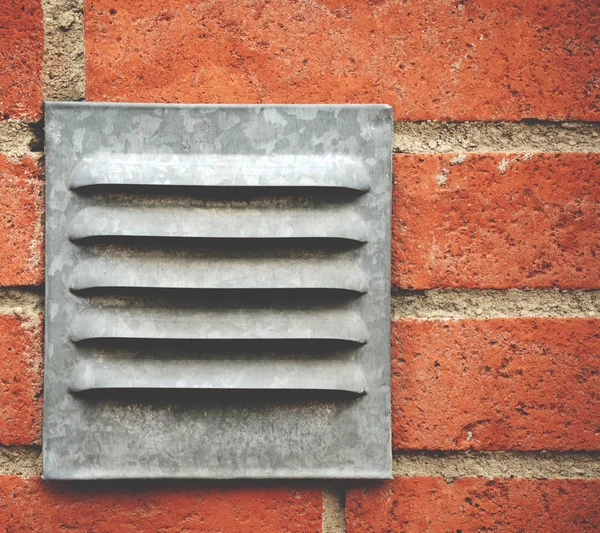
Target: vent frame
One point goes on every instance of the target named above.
(326, 428)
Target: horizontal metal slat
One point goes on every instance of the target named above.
(255, 273)
(232, 374)
(184, 222)
(220, 170)
(239, 324)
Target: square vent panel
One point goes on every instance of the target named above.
(217, 291)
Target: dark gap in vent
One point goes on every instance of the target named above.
(223, 196)
(247, 399)
(213, 250)
(333, 244)
(196, 348)
(219, 299)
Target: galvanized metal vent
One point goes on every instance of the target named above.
(217, 291)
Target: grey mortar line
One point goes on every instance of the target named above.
(531, 136)
(448, 304)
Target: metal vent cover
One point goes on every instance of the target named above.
(217, 297)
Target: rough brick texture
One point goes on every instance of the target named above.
(467, 221)
(21, 54)
(20, 379)
(500, 384)
(21, 222)
(28, 505)
(430, 59)
(415, 505)
(496, 221)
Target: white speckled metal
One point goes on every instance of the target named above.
(217, 296)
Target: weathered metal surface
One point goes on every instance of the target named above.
(197, 223)
(235, 374)
(216, 170)
(218, 273)
(210, 324)
(156, 285)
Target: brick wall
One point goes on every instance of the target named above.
(496, 259)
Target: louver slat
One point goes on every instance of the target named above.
(254, 324)
(182, 222)
(230, 374)
(285, 170)
(257, 273)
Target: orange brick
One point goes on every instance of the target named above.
(430, 59)
(28, 505)
(21, 55)
(21, 361)
(21, 222)
(418, 504)
(499, 384)
(496, 221)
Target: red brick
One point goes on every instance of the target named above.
(20, 379)
(31, 505)
(496, 221)
(21, 55)
(21, 222)
(418, 504)
(430, 59)
(501, 384)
